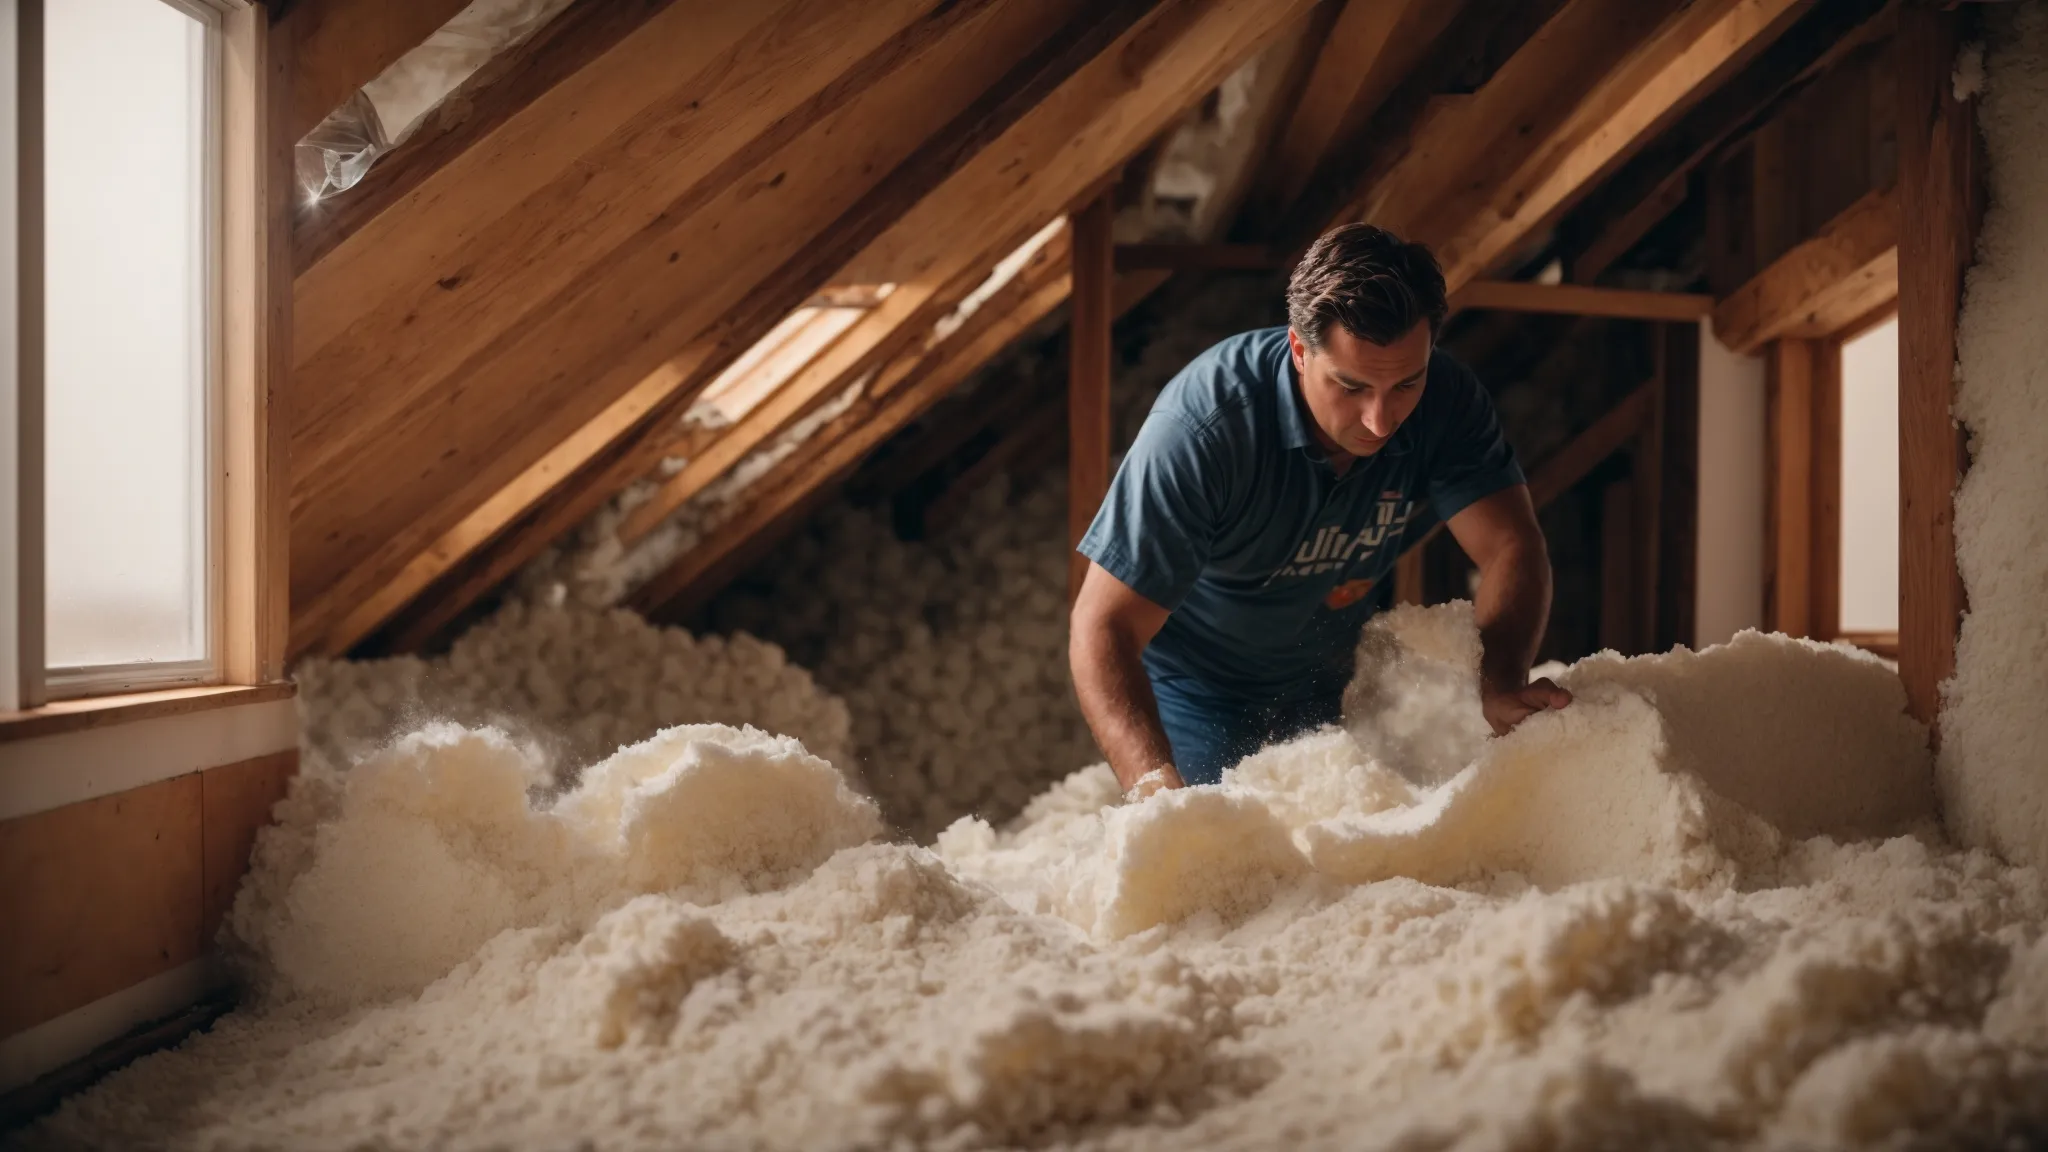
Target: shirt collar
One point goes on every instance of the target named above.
(1294, 416)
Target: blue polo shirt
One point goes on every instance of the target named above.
(1225, 513)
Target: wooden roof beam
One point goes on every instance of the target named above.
(623, 442)
(1849, 270)
(1599, 79)
(1617, 215)
(469, 115)
(1579, 300)
(340, 45)
(1125, 92)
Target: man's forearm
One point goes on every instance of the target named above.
(1512, 606)
(1117, 701)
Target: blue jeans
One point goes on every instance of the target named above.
(1210, 730)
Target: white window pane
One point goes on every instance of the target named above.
(126, 537)
(1870, 481)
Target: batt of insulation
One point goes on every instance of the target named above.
(1709, 905)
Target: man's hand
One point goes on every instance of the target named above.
(1157, 780)
(1505, 708)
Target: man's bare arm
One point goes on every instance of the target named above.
(1500, 534)
(1107, 632)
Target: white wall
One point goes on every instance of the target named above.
(1729, 575)
(1870, 481)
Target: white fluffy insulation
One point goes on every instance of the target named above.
(1994, 755)
(1580, 939)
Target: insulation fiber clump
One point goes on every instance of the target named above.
(1580, 937)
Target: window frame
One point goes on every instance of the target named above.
(239, 522)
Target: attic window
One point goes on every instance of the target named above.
(783, 352)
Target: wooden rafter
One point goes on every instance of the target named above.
(1848, 270)
(1598, 81)
(1370, 45)
(618, 443)
(340, 45)
(1212, 38)
(477, 108)
(1614, 217)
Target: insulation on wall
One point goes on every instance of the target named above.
(1994, 754)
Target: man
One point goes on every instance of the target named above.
(1255, 521)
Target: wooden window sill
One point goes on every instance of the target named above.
(106, 711)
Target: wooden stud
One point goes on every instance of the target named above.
(1821, 285)
(1940, 206)
(1677, 567)
(1618, 554)
(1646, 495)
(1825, 613)
(1788, 514)
(1089, 371)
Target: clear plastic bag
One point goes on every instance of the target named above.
(340, 149)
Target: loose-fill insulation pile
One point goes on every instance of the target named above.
(1710, 904)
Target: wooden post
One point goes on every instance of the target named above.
(1824, 620)
(1646, 506)
(1939, 207)
(1619, 590)
(1678, 535)
(1788, 513)
(1088, 372)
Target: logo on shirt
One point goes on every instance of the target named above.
(1329, 548)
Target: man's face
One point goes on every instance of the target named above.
(1360, 392)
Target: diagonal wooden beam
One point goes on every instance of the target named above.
(1846, 271)
(340, 45)
(1370, 46)
(631, 433)
(477, 108)
(873, 341)
(1618, 214)
(916, 383)
(1598, 81)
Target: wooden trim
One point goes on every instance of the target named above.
(1089, 371)
(29, 339)
(1788, 485)
(256, 295)
(1822, 285)
(1581, 300)
(1940, 206)
(108, 711)
(1198, 258)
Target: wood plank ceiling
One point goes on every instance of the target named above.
(504, 331)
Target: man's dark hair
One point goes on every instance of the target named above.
(1370, 281)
